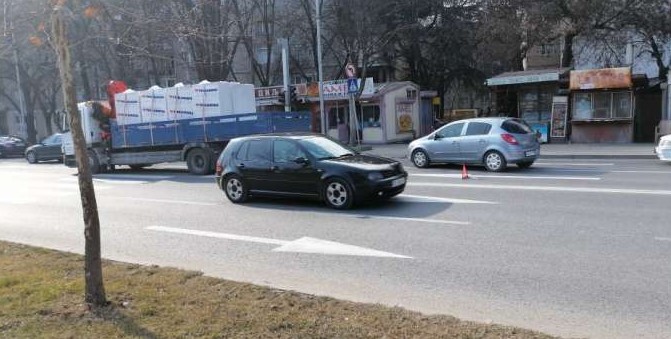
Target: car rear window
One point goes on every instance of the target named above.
(478, 128)
(516, 127)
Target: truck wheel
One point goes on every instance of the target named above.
(199, 161)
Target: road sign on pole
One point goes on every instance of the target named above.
(352, 86)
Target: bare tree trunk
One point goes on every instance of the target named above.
(95, 291)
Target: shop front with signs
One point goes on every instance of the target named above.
(529, 95)
(385, 113)
(602, 105)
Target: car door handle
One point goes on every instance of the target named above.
(274, 168)
(241, 165)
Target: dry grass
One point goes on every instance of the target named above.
(41, 295)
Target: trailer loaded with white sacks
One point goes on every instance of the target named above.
(191, 123)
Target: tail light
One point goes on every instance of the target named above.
(219, 169)
(509, 139)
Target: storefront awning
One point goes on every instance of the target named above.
(526, 77)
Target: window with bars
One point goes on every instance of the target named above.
(602, 105)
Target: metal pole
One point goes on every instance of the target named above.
(321, 72)
(285, 72)
(22, 108)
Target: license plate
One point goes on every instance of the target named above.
(398, 182)
(529, 153)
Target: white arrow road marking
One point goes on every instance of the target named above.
(302, 245)
(546, 188)
(458, 176)
(422, 198)
(662, 239)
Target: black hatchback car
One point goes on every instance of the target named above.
(11, 146)
(305, 165)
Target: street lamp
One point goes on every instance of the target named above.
(319, 66)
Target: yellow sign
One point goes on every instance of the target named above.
(436, 101)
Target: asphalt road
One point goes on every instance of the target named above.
(578, 248)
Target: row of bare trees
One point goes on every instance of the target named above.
(432, 42)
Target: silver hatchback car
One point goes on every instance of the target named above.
(492, 142)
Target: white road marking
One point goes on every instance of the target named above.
(168, 201)
(108, 181)
(458, 176)
(142, 177)
(662, 239)
(422, 198)
(302, 245)
(573, 164)
(430, 221)
(546, 188)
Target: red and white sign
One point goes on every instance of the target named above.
(350, 71)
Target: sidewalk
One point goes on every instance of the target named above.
(549, 151)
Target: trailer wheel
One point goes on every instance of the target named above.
(199, 161)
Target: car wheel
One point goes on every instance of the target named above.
(495, 161)
(31, 157)
(525, 164)
(198, 161)
(235, 189)
(420, 158)
(338, 194)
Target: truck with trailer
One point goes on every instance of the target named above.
(182, 123)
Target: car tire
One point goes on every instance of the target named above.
(338, 194)
(199, 161)
(525, 165)
(31, 157)
(420, 158)
(235, 189)
(495, 161)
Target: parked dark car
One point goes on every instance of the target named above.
(11, 146)
(305, 165)
(47, 149)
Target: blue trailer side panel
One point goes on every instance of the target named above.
(212, 129)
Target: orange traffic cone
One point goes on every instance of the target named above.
(464, 172)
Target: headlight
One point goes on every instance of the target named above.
(665, 143)
(375, 176)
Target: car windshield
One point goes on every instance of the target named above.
(323, 148)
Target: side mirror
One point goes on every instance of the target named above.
(302, 161)
(437, 136)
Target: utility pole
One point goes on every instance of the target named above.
(23, 125)
(322, 114)
(95, 291)
(286, 81)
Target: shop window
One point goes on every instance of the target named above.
(622, 105)
(371, 116)
(337, 115)
(602, 105)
